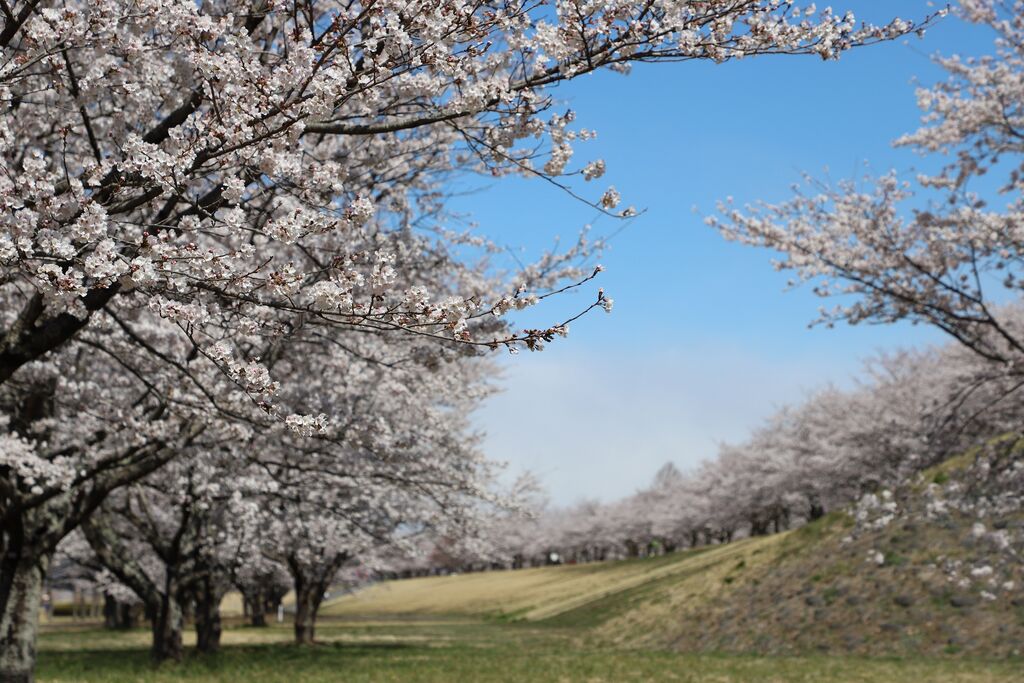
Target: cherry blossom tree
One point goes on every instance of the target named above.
(191, 189)
(909, 411)
(216, 163)
(263, 584)
(71, 438)
(647, 517)
(318, 496)
(396, 458)
(943, 248)
(502, 534)
(177, 540)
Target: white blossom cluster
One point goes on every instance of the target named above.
(939, 247)
(875, 512)
(847, 451)
(30, 472)
(237, 338)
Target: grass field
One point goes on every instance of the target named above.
(557, 593)
(464, 650)
(557, 624)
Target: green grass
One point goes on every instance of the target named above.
(464, 650)
(786, 595)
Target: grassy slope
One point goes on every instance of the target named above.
(807, 591)
(573, 596)
(826, 597)
(815, 590)
(529, 594)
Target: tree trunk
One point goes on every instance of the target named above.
(110, 612)
(256, 602)
(758, 526)
(308, 596)
(272, 600)
(208, 630)
(127, 616)
(256, 607)
(21, 590)
(118, 615)
(168, 621)
(208, 624)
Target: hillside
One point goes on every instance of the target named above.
(932, 568)
(536, 594)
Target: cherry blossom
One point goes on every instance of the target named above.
(222, 220)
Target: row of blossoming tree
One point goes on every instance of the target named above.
(909, 412)
(944, 248)
(234, 333)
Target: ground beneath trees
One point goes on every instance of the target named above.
(921, 584)
(409, 649)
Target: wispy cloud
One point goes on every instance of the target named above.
(599, 426)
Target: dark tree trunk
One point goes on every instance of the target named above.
(257, 603)
(21, 588)
(128, 616)
(256, 608)
(310, 584)
(274, 598)
(168, 622)
(308, 595)
(110, 612)
(758, 527)
(208, 623)
(208, 630)
(118, 615)
(164, 606)
(817, 511)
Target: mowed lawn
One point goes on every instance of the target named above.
(461, 650)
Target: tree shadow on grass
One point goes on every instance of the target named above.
(127, 664)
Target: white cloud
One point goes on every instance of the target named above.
(591, 427)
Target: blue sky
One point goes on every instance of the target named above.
(704, 342)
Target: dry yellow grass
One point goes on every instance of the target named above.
(544, 592)
(231, 605)
(707, 577)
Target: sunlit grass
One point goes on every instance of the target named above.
(538, 593)
(464, 651)
(595, 623)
